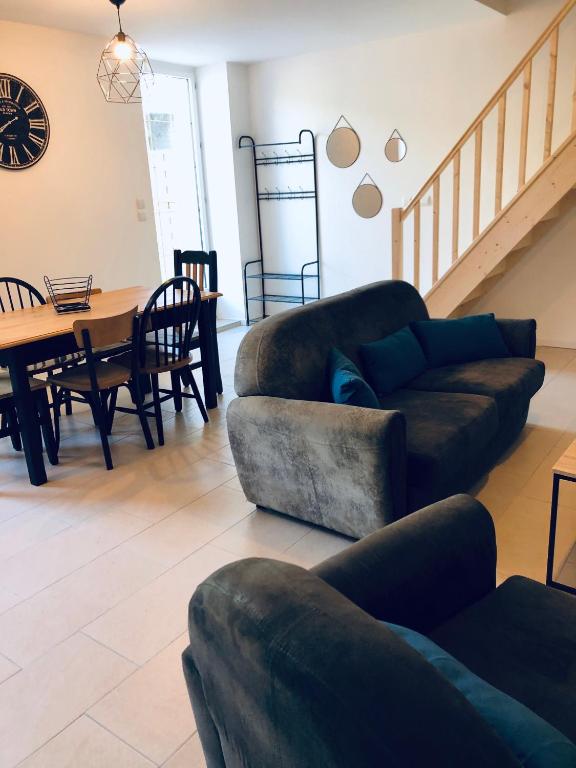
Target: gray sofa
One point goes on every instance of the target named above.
(288, 668)
(356, 469)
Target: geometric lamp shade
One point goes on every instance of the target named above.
(121, 69)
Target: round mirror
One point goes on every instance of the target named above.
(367, 199)
(395, 149)
(343, 146)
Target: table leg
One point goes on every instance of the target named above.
(207, 352)
(28, 420)
(552, 536)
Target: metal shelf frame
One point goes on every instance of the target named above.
(282, 153)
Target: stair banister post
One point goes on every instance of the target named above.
(397, 244)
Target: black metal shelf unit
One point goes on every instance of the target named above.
(285, 154)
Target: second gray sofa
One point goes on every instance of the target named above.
(356, 469)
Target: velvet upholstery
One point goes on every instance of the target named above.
(507, 380)
(533, 629)
(292, 668)
(352, 469)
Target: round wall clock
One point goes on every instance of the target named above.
(24, 126)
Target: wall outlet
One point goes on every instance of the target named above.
(140, 204)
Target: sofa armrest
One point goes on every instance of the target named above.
(338, 466)
(519, 336)
(423, 569)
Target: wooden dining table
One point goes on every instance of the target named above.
(39, 333)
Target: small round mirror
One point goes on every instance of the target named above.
(343, 145)
(395, 149)
(367, 199)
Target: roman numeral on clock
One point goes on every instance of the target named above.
(36, 140)
(14, 157)
(5, 88)
(38, 125)
(31, 107)
(28, 153)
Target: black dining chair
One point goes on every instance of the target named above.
(202, 267)
(97, 381)
(18, 294)
(162, 344)
(9, 426)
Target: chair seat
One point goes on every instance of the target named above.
(508, 380)
(521, 638)
(78, 379)
(6, 386)
(45, 366)
(151, 362)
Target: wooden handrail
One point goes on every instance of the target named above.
(516, 72)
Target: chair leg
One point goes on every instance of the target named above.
(11, 421)
(138, 400)
(56, 403)
(186, 375)
(198, 397)
(68, 398)
(111, 409)
(100, 420)
(157, 409)
(47, 430)
(176, 390)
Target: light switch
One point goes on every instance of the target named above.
(141, 216)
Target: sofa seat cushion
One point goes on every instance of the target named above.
(507, 380)
(521, 638)
(444, 432)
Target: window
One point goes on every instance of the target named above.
(175, 167)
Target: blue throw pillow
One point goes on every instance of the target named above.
(462, 340)
(347, 384)
(392, 361)
(535, 742)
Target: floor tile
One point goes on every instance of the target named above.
(262, 534)
(7, 668)
(70, 604)
(85, 744)
(151, 710)
(38, 702)
(24, 530)
(188, 756)
(145, 623)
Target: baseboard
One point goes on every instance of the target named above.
(552, 342)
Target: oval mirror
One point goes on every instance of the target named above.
(395, 149)
(367, 199)
(343, 145)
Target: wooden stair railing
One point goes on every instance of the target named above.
(475, 132)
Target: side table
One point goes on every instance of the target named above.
(564, 469)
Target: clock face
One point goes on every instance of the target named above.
(24, 126)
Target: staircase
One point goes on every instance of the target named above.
(497, 241)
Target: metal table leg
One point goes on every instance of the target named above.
(27, 419)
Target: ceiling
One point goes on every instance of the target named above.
(202, 31)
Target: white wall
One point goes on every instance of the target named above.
(74, 212)
(224, 116)
(429, 86)
(542, 285)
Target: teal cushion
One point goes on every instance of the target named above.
(392, 361)
(535, 742)
(347, 384)
(463, 340)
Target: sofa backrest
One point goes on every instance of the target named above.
(284, 671)
(286, 355)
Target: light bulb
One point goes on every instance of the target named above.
(123, 50)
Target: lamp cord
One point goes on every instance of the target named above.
(119, 19)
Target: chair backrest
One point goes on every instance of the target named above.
(286, 355)
(193, 263)
(18, 294)
(167, 323)
(284, 671)
(102, 331)
(74, 295)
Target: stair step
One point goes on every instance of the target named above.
(553, 213)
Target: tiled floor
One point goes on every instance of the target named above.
(96, 569)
